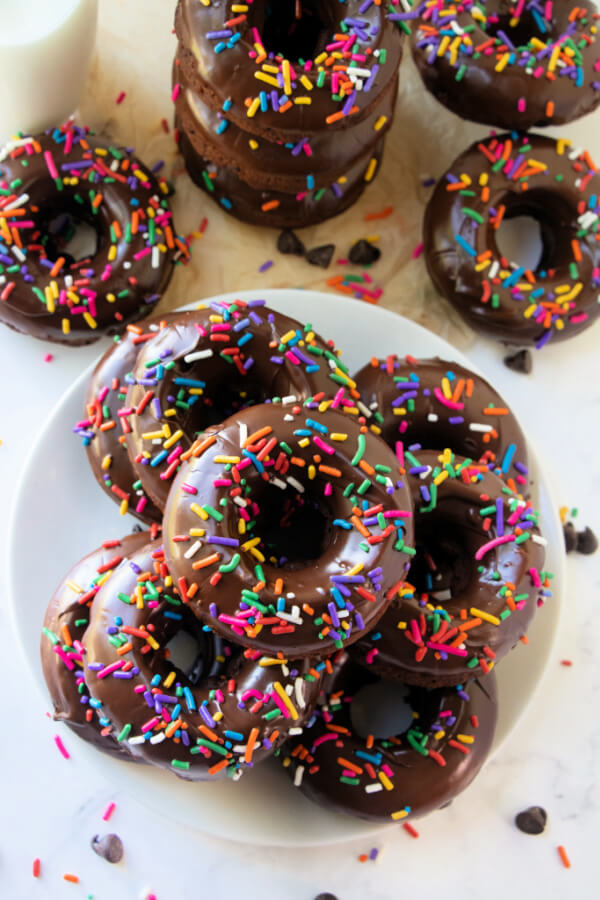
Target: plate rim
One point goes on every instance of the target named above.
(545, 479)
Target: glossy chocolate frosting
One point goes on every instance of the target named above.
(61, 648)
(390, 778)
(274, 208)
(68, 172)
(512, 72)
(288, 529)
(103, 430)
(501, 178)
(227, 73)
(435, 403)
(210, 362)
(469, 597)
(220, 720)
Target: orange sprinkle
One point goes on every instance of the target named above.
(218, 767)
(207, 561)
(372, 217)
(271, 204)
(72, 878)
(253, 438)
(250, 745)
(563, 857)
(350, 765)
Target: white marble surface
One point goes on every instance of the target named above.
(51, 807)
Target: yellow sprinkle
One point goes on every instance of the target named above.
(224, 460)
(271, 661)
(74, 587)
(124, 506)
(304, 442)
(355, 569)
(379, 123)
(280, 690)
(66, 326)
(251, 543)
(111, 298)
(253, 108)
(338, 436)
(306, 83)
(173, 439)
(465, 738)
(385, 781)
(268, 79)
(106, 462)
(254, 145)
(441, 477)
(112, 252)
(372, 168)
(197, 532)
(401, 814)
(90, 320)
(312, 473)
(199, 511)
(170, 679)
(303, 101)
(478, 613)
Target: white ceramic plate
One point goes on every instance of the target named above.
(59, 499)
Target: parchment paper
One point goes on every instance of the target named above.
(134, 54)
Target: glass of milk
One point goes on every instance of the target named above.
(46, 47)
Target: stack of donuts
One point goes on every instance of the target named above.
(283, 107)
(322, 540)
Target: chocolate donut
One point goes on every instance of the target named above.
(104, 430)
(283, 107)
(287, 69)
(275, 208)
(475, 582)
(48, 185)
(500, 178)
(198, 725)
(206, 365)
(437, 404)
(288, 530)
(442, 739)
(511, 64)
(61, 648)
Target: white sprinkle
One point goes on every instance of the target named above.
(291, 398)
(155, 257)
(442, 595)
(192, 550)
(288, 418)
(298, 775)
(198, 354)
(288, 617)
(138, 739)
(433, 417)
(294, 731)
(24, 198)
(18, 253)
(296, 484)
(373, 788)
(243, 433)
(299, 693)
(538, 539)
(478, 426)
(364, 410)
(278, 483)
(158, 738)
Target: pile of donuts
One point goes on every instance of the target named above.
(320, 538)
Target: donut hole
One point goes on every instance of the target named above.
(537, 230)
(193, 651)
(297, 29)
(68, 235)
(443, 565)
(381, 709)
(223, 400)
(295, 529)
(519, 32)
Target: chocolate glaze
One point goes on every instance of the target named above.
(454, 730)
(86, 298)
(436, 404)
(447, 578)
(148, 696)
(230, 75)
(64, 673)
(105, 396)
(225, 529)
(556, 188)
(263, 371)
(247, 203)
(511, 98)
(279, 165)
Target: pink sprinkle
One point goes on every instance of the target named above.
(48, 357)
(50, 163)
(505, 539)
(371, 655)
(176, 92)
(61, 747)
(121, 97)
(443, 648)
(522, 104)
(445, 402)
(417, 251)
(108, 812)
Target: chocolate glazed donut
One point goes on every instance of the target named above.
(443, 739)
(475, 582)
(209, 363)
(288, 531)
(489, 63)
(49, 184)
(62, 651)
(200, 725)
(437, 404)
(229, 57)
(104, 430)
(501, 178)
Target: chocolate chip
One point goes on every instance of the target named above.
(521, 361)
(587, 542)
(288, 242)
(108, 846)
(570, 534)
(321, 256)
(137, 529)
(363, 253)
(532, 820)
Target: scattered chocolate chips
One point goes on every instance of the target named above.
(363, 253)
(521, 361)
(289, 242)
(532, 820)
(108, 846)
(321, 256)
(587, 542)
(570, 533)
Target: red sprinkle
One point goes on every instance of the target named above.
(409, 828)
(36, 868)
(566, 662)
(121, 97)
